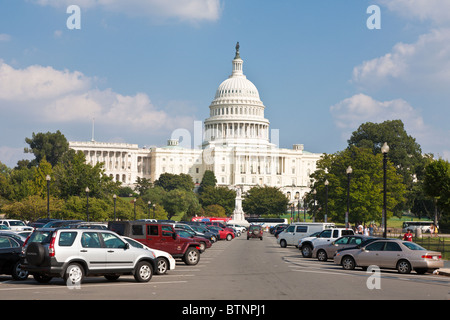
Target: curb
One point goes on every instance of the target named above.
(443, 272)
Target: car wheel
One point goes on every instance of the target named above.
(403, 267)
(161, 266)
(260, 238)
(229, 237)
(306, 251)
(74, 274)
(202, 246)
(348, 263)
(213, 239)
(322, 255)
(283, 243)
(41, 278)
(143, 272)
(18, 273)
(192, 256)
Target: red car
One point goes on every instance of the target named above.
(224, 233)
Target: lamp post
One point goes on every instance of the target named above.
(87, 203)
(314, 192)
(384, 150)
(349, 172)
(304, 208)
(154, 207)
(114, 198)
(326, 201)
(48, 178)
(134, 201)
(149, 205)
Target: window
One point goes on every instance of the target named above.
(325, 234)
(66, 239)
(152, 230)
(290, 229)
(90, 240)
(342, 241)
(112, 241)
(4, 243)
(302, 229)
(166, 231)
(137, 230)
(392, 246)
(335, 233)
(377, 246)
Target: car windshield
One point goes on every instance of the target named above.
(412, 246)
(40, 236)
(16, 223)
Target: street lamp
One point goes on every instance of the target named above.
(326, 200)
(304, 208)
(114, 198)
(48, 178)
(87, 203)
(149, 205)
(314, 192)
(154, 207)
(349, 172)
(384, 150)
(134, 201)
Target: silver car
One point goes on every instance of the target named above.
(326, 251)
(391, 254)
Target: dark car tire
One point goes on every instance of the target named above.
(322, 255)
(162, 265)
(306, 251)
(192, 256)
(229, 237)
(260, 238)
(35, 254)
(74, 274)
(18, 273)
(348, 263)
(143, 272)
(283, 243)
(404, 267)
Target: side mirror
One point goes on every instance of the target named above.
(174, 236)
(127, 246)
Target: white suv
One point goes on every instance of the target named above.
(16, 225)
(306, 245)
(75, 253)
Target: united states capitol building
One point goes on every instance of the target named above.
(236, 144)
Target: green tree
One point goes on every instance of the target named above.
(366, 186)
(208, 180)
(50, 146)
(170, 181)
(404, 152)
(142, 185)
(222, 196)
(175, 202)
(214, 210)
(264, 201)
(437, 186)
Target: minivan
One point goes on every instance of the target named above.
(294, 232)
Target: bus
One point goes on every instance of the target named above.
(413, 225)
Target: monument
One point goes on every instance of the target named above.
(238, 214)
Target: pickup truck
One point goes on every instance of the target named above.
(306, 245)
(159, 236)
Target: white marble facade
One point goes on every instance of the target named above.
(237, 146)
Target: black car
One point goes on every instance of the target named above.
(10, 251)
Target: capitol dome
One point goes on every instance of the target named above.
(237, 113)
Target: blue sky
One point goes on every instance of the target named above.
(143, 68)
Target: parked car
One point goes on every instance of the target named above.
(204, 242)
(39, 223)
(160, 236)
(13, 234)
(326, 251)
(404, 256)
(237, 227)
(75, 253)
(296, 231)
(15, 225)
(164, 261)
(10, 250)
(59, 223)
(214, 235)
(223, 233)
(196, 231)
(255, 231)
(327, 236)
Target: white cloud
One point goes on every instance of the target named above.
(423, 65)
(64, 97)
(434, 10)
(191, 10)
(5, 37)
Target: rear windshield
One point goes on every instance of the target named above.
(41, 236)
(16, 223)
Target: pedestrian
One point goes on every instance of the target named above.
(366, 230)
(408, 236)
(360, 229)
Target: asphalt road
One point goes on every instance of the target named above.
(240, 270)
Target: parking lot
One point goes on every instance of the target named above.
(241, 269)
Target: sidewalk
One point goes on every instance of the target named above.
(445, 271)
